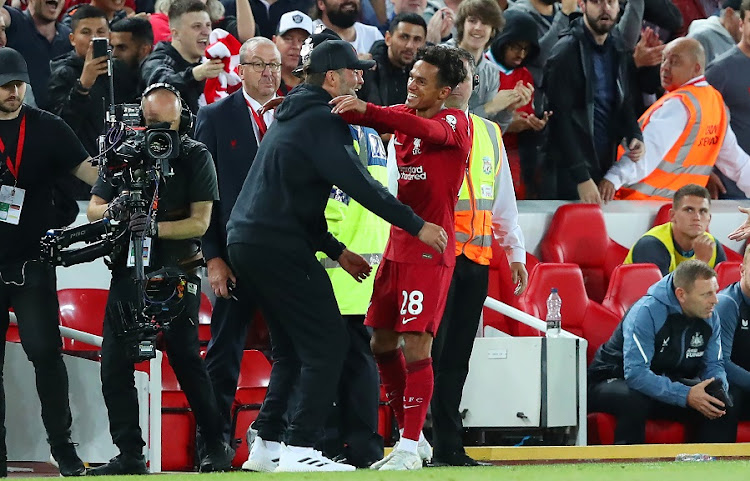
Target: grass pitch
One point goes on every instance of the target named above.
(661, 471)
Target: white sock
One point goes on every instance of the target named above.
(422, 439)
(406, 444)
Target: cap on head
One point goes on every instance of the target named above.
(335, 55)
(295, 19)
(733, 4)
(12, 66)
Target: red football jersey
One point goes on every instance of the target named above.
(432, 156)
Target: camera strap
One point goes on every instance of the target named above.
(14, 167)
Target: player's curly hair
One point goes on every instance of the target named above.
(451, 70)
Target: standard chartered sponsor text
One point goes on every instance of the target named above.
(412, 172)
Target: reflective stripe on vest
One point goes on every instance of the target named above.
(477, 194)
(693, 155)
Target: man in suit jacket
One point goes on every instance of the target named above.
(231, 128)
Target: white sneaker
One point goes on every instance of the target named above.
(299, 459)
(262, 458)
(402, 461)
(424, 449)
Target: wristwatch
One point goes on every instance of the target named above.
(81, 89)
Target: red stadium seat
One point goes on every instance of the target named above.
(601, 430)
(501, 288)
(628, 283)
(177, 424)
(743, 432)
(578, 235)
(11, 335)
(732, 256)
(727, 273)
(204, 320)
(83, 310)
(255, 372)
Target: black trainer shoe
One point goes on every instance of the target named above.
(457, 459)
(121, 464)
(218, 457)
(67, 460)
(3, 469)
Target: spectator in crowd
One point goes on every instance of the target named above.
(734, 312)
(399, 7)
(589, 94)
(223, 127)
(684, 237)
(113, 11)
(488, 176)
(394, 57)
(644, 371)
(3, 35)
(729, 74)
(132, 40)
(48, 149)
(175, 229)
(718, 33)
(178, 62)
(79, 85)
(294, 28)
(477, 24)
(661, 15)
(36, 34)
(341, 17)
(267, 15)
(272, 245)
(511, 51)
(686, 133)
(241, 26)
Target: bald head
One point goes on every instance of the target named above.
(682, 60)
(161, 105)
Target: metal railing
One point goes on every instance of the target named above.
(540, 325)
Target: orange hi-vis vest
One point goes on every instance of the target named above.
(474, 207)
(692, 157)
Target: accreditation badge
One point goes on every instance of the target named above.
(11, 204)
(146, 252)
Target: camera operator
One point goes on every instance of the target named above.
(36, 147)
(182, 217)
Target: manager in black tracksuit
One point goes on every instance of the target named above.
(276, 227)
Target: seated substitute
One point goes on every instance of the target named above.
(684, 237)
(664, 359)
(182, 217)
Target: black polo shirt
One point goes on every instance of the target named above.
(267, 18)
(26, 39)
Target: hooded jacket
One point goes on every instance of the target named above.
(304, 153)
(165, 64)
(656, 345)
(519, 27)
(712, 35)
(570, 91)
(85, 113)
(386, 85)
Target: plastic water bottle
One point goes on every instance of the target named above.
(695, 458)
(554, 305)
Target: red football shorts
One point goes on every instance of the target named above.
(409, 297)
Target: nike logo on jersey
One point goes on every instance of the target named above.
(407, 320)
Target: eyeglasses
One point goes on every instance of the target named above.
(261, 66)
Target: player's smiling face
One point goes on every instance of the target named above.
(423, 89)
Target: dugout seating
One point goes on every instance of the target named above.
(727, 272)
(628, 283)
(204, 320)
(83, 310)
(177, 423)
(578, 235)
(11, 335)
(255, 372)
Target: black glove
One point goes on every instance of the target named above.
(118, 208)
(141, 225)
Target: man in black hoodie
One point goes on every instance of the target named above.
(275, 229)
(177, 62)
(394, 56)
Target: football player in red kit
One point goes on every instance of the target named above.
(432, 145)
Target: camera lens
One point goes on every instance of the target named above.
(159, 145)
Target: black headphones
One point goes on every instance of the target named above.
(186, 116)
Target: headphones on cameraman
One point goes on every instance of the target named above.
(186, 116)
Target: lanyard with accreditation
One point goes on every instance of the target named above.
(11, 197)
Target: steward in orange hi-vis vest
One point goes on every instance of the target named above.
(692, 157)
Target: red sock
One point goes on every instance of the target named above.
(417, 396)
(392, 369)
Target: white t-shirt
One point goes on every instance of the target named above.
(366, 35)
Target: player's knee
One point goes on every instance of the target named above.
(417, 346)
(382, 341)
